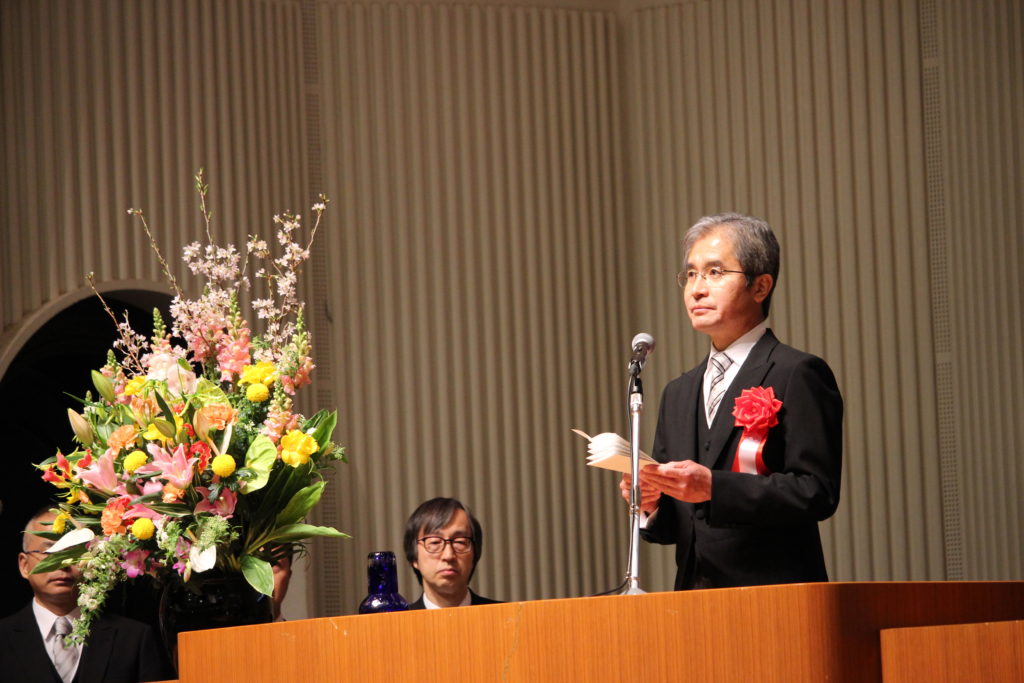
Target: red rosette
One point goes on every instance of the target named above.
(757, 411)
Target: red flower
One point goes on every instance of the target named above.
(202, 451)
(757, 409)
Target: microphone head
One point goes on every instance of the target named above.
(645, 339)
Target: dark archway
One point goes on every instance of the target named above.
(35, 393)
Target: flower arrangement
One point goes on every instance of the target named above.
(191, 455)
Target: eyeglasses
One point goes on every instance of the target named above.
(435, 544)
(712, 275)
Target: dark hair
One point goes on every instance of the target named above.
(753, 241)
(435, 514)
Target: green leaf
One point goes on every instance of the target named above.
(300, 532)
(300, 504)
(322, 424)
(56, 560)
(258, 573)
(208, 392)
(167, 412)
(260, 458)
(164, 427)
(103, 385)
(170, 509)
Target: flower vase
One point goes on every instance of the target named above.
(215, 601)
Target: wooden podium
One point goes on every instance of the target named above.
(801, 632)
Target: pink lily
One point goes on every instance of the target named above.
(223, 506)
(175, 469)
(101, 475)
(136, 511)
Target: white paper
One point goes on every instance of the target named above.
(610, 451)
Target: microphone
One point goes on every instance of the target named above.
(643, 344)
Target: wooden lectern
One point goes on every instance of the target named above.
(800, 632)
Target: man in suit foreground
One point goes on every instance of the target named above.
(443, 543)
(751, 438)
(32, 649)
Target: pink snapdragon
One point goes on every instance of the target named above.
(233, 354)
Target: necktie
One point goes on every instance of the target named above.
(719, 364)
(63, 656)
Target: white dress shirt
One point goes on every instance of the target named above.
(45, 620)
(737, 352)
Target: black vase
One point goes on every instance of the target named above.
(214, 601)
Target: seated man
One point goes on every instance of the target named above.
(443, 543)
(32, 649)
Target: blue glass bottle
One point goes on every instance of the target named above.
(382, 577)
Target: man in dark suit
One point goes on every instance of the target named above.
(750, 439)
(443, 543)
(32, 649)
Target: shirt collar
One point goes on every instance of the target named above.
(465, 601)
(45, 618)
(740, 349)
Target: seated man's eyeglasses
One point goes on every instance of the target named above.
(435, 544)
(712, 275)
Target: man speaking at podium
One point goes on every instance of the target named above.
(750, 440)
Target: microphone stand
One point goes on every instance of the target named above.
(631, 584)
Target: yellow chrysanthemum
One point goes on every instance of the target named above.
(60, 522)
(223, 465)
(134, 386)
(261, 373)
(296, 447)
(143, 528)
(257, 393)
(134, 461)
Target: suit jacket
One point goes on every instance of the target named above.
(117, 649)
(756, 529)
(474, 599)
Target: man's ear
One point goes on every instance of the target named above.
(23, 565)
(762, 287)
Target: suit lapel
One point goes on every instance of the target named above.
(26, 639)
(691, 405)
(750, 375)
(97, 652)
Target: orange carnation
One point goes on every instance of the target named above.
(216, 416)
(172, 494)
(122, 437)
(113, 514)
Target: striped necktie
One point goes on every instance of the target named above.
(63, 656)
(719, 364)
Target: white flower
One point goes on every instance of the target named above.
(164, 366)
(202, 559)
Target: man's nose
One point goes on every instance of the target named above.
(448, 551)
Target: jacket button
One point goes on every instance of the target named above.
(699, 513)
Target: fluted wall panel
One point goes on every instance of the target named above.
(979, 63)
(114, 105)
(805, 113)
(474, 309)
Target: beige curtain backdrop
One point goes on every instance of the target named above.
(509, 187)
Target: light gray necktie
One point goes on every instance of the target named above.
(719, 364)
(63, 656)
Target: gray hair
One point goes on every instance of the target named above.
(753, 241)
(37, 515)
